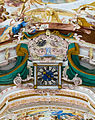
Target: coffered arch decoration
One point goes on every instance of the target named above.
(63, 99)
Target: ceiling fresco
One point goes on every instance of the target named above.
(47, 59)
(50, 115)
(58, 1)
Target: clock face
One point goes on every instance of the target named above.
(47, 75)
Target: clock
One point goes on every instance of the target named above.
(46, 75)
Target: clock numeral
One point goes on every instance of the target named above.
(43, 82)
(53, 81)
(39, 76)
(55, 73)
(56, 77)
(39, 73)
(47, 68)
(39, 79)
(44, 68)
(53, 69)
(50, 82)
(41, 70)
(50, 68)
(46, 82)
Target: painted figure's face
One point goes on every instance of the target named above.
(48, 46)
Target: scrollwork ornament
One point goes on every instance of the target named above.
(18, 82)
(65, 77)
(68, 86)
(76, 80)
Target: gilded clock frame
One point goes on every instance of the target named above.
(59, 64)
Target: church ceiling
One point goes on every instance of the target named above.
(47, 59)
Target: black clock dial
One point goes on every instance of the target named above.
(47, 75)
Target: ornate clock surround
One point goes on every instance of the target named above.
(55, 79)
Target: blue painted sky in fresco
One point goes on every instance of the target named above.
(54, 1)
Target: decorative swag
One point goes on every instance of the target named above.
(87, 75)
(7, 76)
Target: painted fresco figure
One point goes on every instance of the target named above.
(16, 29)
(3, 14)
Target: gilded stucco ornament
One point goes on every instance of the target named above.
(18, 80)
(47, 45)
(91, 60)
(76, 80)
(37, 38)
